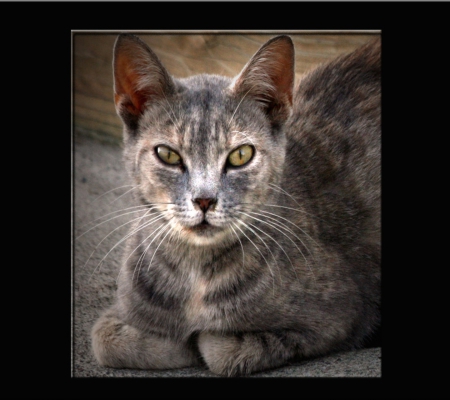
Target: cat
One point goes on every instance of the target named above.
(258, 242)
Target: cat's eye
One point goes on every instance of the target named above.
(241, 156)
(168, 155)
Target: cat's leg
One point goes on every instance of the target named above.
(243, 354)
(118, 345)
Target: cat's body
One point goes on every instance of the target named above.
(260, 240)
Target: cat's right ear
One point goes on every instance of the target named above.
(269, 77)
(139, 78)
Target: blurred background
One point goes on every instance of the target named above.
(183, 55)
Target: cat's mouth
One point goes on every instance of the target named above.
(203, 226)
(203, 229)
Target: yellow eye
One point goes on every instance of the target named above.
(241, 156)
(168, 155)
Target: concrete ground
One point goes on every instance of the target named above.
(99, 185)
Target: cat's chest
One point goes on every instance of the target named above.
(196, 307)
(220, 294)
(198, 312)
(203, 310)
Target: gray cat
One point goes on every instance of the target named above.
(259, 236)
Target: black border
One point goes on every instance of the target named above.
(36, 322)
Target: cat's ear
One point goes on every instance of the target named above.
(269, 77)
(139, 77)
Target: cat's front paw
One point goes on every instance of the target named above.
(228, 355)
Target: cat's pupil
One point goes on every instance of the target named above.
(168, 156)
(241, 156)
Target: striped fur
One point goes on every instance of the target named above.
(286, 262)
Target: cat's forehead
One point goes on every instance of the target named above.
(203, 117)
(203, 82)
(203, 96)
(206, 112)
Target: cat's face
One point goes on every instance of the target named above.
(204, 151)
(205, 160)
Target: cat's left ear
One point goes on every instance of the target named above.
(269, 77)
(139, 78)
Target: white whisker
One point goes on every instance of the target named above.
(162, 240)
(285, 219)
(262, 255)
(140, 261)
(109, 191)
(139, 228)
(242, 247)
(121, 241)
(281, 247)
(288, 208)
(246, 136)
(273, 226)
(280, 225)
(280, 190)
(110, 233)
(177, 123)
(141, 208)
(243, 97)
(123, 194)
(264, 243)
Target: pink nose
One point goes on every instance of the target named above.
(204, 204)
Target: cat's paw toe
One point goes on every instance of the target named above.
(225, 355)
(217, 352)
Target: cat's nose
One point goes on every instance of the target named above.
(205, 204)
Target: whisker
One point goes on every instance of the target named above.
(243, 134)
(141, 208)
(270, 224)
(134, 271)
(268, 248)
(123, 194)
(171, 236)
(140, 261)
(119, 242)
(110, 233)
(281, 247)
(279, 224)
(109, 191)
(280, 190)
(177, 238)
(259, 237)
(162, 240)
(145, 225)
(288, 208)
(177, 123)
(303, 231)
(328, 222)
(274, 226)
(139, 228)
(257, 248)
(243, 97)
(242, 247)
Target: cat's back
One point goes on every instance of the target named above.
(339, 103)
(342, 90)
(334, 147)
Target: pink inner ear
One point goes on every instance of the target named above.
(275, 85)
(282, 70)
(126, 81)
(284, 81)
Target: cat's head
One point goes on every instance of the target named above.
(204, 150)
